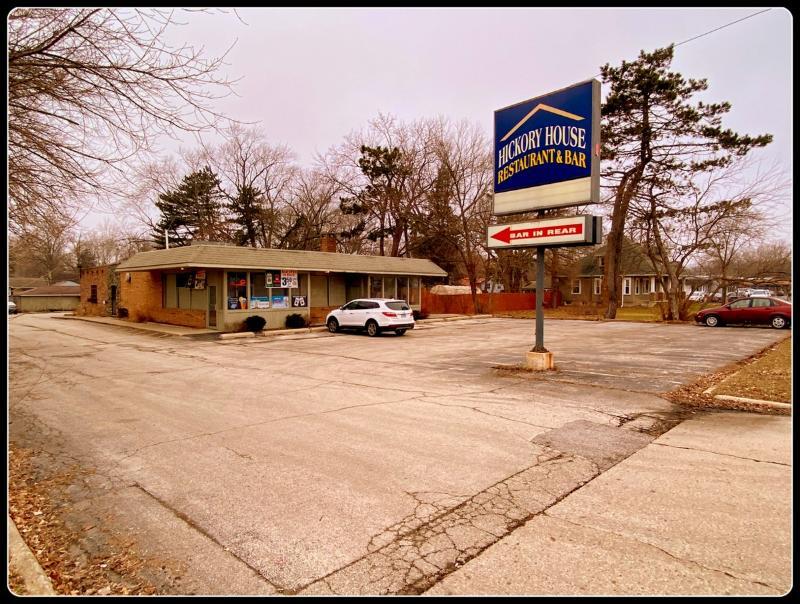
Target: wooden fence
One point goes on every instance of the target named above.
(462, 304)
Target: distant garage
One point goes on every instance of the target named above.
(219, 286)
(48, 298)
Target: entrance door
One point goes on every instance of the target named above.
(212, 305)
(113, 299)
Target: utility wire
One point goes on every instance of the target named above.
(724, 26)
(716, 29)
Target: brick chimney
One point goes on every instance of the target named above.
(327, 242)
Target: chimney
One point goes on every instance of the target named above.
(327, 242)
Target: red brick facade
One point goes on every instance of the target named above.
(141, 295)
(101, 277)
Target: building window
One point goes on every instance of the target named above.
(626, 287)
(389, 289)
(375, 287)
(576, 286)
(259, 293)
(93, 295)
(413, 290)
(237, 291)
(600, 261)
(402, 288)
(597, 285)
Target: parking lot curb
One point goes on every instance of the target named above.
(753, 401)
(283, 332)
(237, 336)
(22, 561)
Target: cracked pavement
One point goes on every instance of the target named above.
(345, 464)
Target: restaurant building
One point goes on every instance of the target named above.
(218, 286)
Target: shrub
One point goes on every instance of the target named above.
(420, 314)
(295, 320)
(254, 323)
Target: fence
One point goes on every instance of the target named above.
(462, 304)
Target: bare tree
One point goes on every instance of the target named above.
(88, 89)
(384, 172)
(310, 212)
(44, 249)
(676, 224)
(111, 242)
(256, 178)
(465, 155)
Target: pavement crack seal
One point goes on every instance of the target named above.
(727, 573)
(189, 522)
(442, 533)
(446, 530)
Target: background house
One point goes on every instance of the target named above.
(640, 283)
(47, 298)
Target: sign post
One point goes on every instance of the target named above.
(539, 346)
(547, 155)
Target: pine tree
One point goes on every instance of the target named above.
(652, 134)
(246, 215)
(193, 211)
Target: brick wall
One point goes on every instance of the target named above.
(318, 314)
(142, 297)
(100, 277)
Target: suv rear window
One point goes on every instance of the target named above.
(398, 305)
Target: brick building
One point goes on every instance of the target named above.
(99, 291)
(219, 286)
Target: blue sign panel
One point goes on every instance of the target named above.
(546, 150)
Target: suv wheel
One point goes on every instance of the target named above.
(333, 325)
(372, 328)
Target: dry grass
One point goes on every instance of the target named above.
(701, 392)
(767, 378)
(587, 312)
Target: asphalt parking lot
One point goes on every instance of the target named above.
(341, 463)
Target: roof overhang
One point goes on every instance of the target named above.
(192, 265)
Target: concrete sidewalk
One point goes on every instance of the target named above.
(24, 565)
(162, 328)
(177, 330)
(704, 509)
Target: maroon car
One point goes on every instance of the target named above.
(755, 311)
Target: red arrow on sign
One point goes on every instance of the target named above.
(507, 234)
(504, 235)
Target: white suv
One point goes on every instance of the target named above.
(373, 314)
(758, 293)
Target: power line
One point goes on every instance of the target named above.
(716, 29)
(724, 26)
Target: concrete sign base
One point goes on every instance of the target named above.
(539, 361)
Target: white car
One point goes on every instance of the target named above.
(759, 293)
(12, 308)
(372, 314)
(697, 296)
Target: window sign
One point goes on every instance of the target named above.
(288, 279)
(273, 278)
(260, 302)
(280, 301)
(200, 280)
(299, 301)
(237, 291)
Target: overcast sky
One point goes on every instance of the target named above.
(310, 76)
